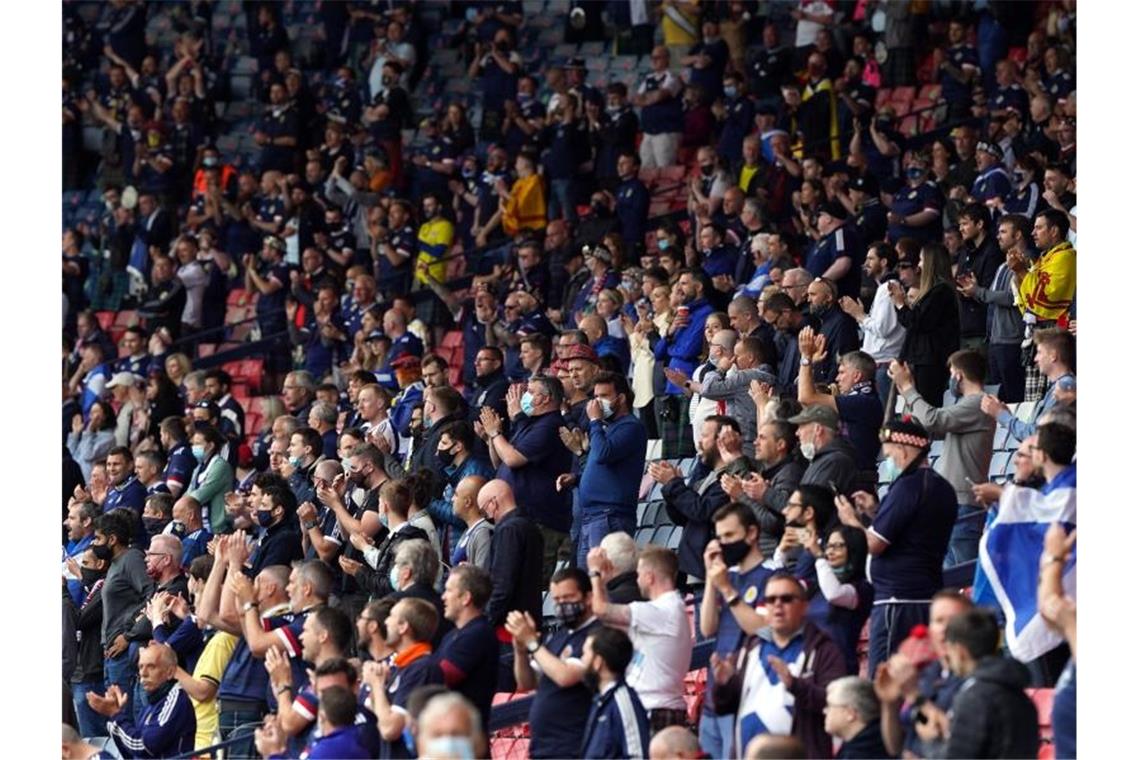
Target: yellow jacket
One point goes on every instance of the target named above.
(434, 242)
(1048, 287)
(526, 206)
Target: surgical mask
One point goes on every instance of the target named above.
(427, 422)
(459, 747)
(955, 386)
(101, 552)
(613, 110)
(346, 465)
(915, 172)
(569, 613)
(730, 91)
(607, 408)
(525, 98)
(891, 470)
(394, 578)
(210, 161)
(808, 450)
(295, 462)
(472, 15)
(527, 403)
(199, 453)
(734, 552)
(177, 528)
(662, 245)
(264, 518)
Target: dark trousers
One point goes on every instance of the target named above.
(240, 723)
(890, 624)
(1006, 369)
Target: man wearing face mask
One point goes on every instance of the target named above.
(373, 575)
(125, 591)
(458, 460)
(830, 456)
(968, 433)
(607, 487)
(280, 542)
(732, 606)
(617, 724)
(187, 526)
(88, 619)
(554, 667)
(906, 550)
(530, 463)
(448, 727)
(916, 210)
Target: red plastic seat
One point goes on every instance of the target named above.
(882, 97)
(930, 91)
(106, 319)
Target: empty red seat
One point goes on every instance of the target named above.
(106, 319)
(930, 91)
(882, 97)
(240, 297)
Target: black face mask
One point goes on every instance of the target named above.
(707, 169)
(153, 526)
(446, 458)
(569, 613)
(90, 576)
(734, 552)
(102, 552)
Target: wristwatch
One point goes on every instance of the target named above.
(805, 362)
(532, 646)
(1048, 559)
(249, 606)
(595, 574)
(735, 600)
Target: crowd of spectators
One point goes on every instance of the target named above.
(549, 372)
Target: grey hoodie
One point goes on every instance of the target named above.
(732, 387)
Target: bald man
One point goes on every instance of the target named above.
(168, 724)
(516, 565)
(74, 748)
(674, 743)
(605, 344)
(474, 545)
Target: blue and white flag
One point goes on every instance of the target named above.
(1010, 555)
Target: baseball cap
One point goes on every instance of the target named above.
(817, 413)
(833, 209)
(124, 380)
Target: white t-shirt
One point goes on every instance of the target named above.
(662, 645)
(805, 29)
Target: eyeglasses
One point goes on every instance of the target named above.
(781, 598)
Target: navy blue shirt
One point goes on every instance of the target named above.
(910, 200)
(180, 465)
(1012, 96)
(245, 677)
(871, 222)
(916, 519)
(130, 494)
(954, 91)
(557, 715)
(860, 416)
(992, 183)
(282, 123)
(839, 243)
(271, 306)
(392, 279)
(632, 210)
(536, 438)
(711, 77)
(281, 545)
(665, 116)
(738, 123)
(469, 660)
(402, 681)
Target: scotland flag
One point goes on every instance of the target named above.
(1010, 553)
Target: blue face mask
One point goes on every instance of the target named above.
(346, 465)
(264, 518)
(915, 172)
(891, 470)
(295, 462)
(394, 578)
(730, 91)
(662, 245)
(527, 404)
(451, 746)
(199, 453)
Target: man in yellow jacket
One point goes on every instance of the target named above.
(1045, 290)
(525, 207)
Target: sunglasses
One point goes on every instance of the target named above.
(781, 598)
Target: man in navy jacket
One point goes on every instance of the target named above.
(618, 725)
(608, 485)
(168, 723)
